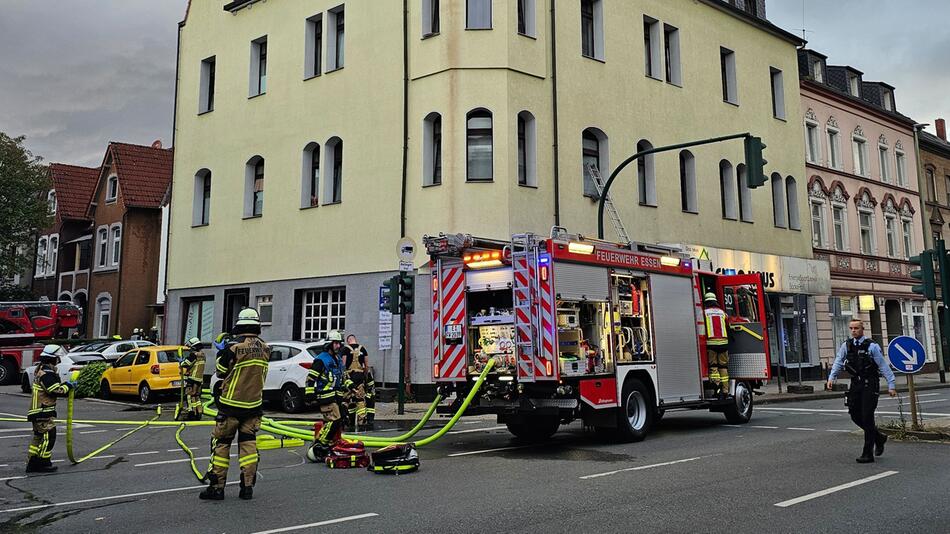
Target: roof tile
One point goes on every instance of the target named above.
(144, 173)
(74, 188)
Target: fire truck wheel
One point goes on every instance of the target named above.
(739, 412)
(535, 430)
(8, 372)
(637, 413)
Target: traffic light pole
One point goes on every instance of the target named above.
(638, 155)
(944, 328)
(401, 393)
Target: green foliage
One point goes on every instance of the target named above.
(87, 385)
(23, 209)
(10, 292)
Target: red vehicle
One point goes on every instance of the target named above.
(23, 327)
(610, 334)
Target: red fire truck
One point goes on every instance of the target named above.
(586, 329)
(23, 327)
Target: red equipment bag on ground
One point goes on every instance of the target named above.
(347, 454)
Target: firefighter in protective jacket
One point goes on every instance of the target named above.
(328, 382)
(46, 387)
(192, 374)
(242, 368)
(354, 363)
(717, 344)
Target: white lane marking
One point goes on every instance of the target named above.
(10, 478)
(798, 428)
(4, 465)
(19, 436)
(21, 429)
(822, 493)
(931, 401)
(477, 430)
(834, 430)
(810, 410)
(642, 467)
(141, 453)
(318, 524)
(93, 431)
(763, 426)
(180, 460)
(179, 450)
(469, 453)
(109, 498)
(919, 395)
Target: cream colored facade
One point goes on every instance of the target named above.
(452, 73)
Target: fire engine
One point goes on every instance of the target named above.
(579, 328)
(23, 325)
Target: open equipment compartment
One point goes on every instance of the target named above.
(491, 330)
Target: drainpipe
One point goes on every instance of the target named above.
(405, 116)
(557, 192)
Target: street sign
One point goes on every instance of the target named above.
(406, 249)
(406, 266)
(385, 332)
(906, 354)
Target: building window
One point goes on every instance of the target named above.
(931, 184)
(646, 175)
(258, 79)
(854, 85)
(201, 205)
(890, 230)
(727, 190)
(527, 150)
(479, 160)
(671, 49)
(946, 182)
(206, 98)
(116, 244)
(839, 216)
(310, 176)
(887, 98)
(112, 189)
(653, 64)
(885, 164)
(812, 152)
(527, 18)
(51, 202)
(915, 323)
(727, 65)
(103, 316)
(337, 43)
(323, 310)
(51, 264)
(745, 194)
(688, 196)
(791, 195)
(834, 148)
(198, 319)
(592, 29)
(778, 95)
(432, 150)
(901, 168)
(594, 154)
(265, 309)
(859, 147)
(254, 187)
(334, 157)
(841, 310)
(430, 17)
(817, 224)
(866, 225)
(313, 59)
(908, 238)
(779, 216)
(478, 14)
(42, 249)
(818, 71)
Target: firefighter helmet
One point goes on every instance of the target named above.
(52, 353)
(710, 298)
(335, 335)
(249, 317)
(194, 343)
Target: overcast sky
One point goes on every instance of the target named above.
(75, 74)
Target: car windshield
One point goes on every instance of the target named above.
(168, 356)
(83, 360)
(90, 347)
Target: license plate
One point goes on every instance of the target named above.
(453, 332)
(176, 382)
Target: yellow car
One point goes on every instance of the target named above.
(144, 372)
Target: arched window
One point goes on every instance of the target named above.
(688, 195)
(479, 158)
(778, 201)
(727, 190)
(51, 201)
(791, 193)
(310, 176)
(432, 149)
(333, 191)
(254, 187)
(594, 153)
(745, 194)
(42, 247)
(201, 205)
(103, 315)
(527, 150)
(646, 175)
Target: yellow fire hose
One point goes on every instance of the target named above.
(69, 431)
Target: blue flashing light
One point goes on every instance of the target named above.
(729, 272)
(544, 259)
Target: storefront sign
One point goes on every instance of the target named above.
(780, 274)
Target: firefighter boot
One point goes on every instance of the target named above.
(39, 465)
(247, 492)
(211, 493)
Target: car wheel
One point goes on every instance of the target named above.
(637, 412)
(25, 385)
(104, 391)
(291, 398)
(8, 372)
(538, 429)
(145, 393)
(739, 412)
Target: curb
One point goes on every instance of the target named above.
(775, 398)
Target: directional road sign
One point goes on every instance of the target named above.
(906, 354)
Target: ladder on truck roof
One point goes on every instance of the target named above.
(524, 261)
(608, 203)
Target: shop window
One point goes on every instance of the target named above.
(198, 318)
(322, 310)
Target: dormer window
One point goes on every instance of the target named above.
(817, 71)
(887, 99)
(854, 84)
(51, 202)
(112, 189)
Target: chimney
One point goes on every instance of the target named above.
(941, 126)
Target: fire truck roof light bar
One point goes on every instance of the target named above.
(670, 261)
(580, 248)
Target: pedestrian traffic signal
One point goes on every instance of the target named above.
(928, 286)
(755, 162)
(390, 296)
(407, 290)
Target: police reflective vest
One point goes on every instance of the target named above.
(46, 386)
(327, 378)
(716, 333)
(242, 367)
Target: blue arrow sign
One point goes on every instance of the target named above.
(906, 354)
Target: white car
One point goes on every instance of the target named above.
(290, 361)
(111, 350)
(73, 361)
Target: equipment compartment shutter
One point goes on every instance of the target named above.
(677, 355)
(494, 279)
(581, 282)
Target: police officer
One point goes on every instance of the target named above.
(329, 383)
(864, 361)
(192, 375)
(46, 387)
(354, 363)
(717, 344)
(242, 368)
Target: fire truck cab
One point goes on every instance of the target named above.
(586, 329)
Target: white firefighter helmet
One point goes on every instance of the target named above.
(248, 316)
(335, 335)
(52, 352)
(193, 342)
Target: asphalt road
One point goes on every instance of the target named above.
(791, 469)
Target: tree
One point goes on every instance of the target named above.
(24, 184)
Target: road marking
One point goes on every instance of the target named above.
(19, 436)
(177, 450)
(477, 430)
(822, 493)
(10, 478)
(93, 431)
(798, 428)
(319, 524)
(180, 460)
(141, 453)
(642, 467)
(21, 429)
(930, 401)
(834, 430)
(809, 410)
(4, 465)
(469, 453)
(763, 426)
(919, 395)
(109, 498)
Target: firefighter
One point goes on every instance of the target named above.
(192, 375)
(46, 387)
(864, 361)
(242, 368)
(328, 382)
(717, 344)
(136, 334)
(354, 365)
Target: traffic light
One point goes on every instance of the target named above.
(390, 296)
(407, 290)
(928, 286)
(755, 162)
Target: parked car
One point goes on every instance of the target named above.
(287, 370)
(73, 361)
(112, 349)
(146, 371)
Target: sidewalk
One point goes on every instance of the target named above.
(772, 394)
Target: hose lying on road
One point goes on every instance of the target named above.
(69, 431)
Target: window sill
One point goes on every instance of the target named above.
(430, 35)
(205, 112)
(652, 77)
(246, 217)
(528, 36)
(478, 29)
(312, 76)
(747, 222)
(202, 225)
(257, 95)
(106, 270)
(331, 71)
(689, 212)
(310, 207)
(736, 104)
(675, 84)
(647, 205)
(733, 219)
(592, 58)
(479, 180)
(426, 186)
(111, 200)
(528, 186)
(338, 202)
(782, 119)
